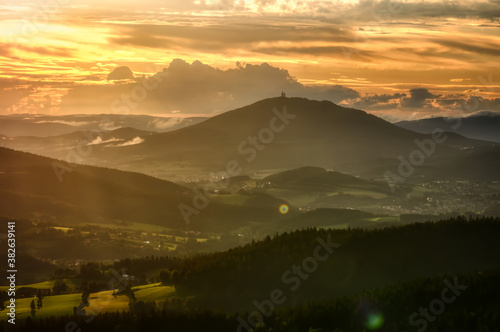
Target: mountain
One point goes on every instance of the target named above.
(282, 133)
(41, 188)
(483, 126)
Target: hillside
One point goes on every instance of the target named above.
(37, 187)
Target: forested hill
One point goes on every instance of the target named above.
(365, 260)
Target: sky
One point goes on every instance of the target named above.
(396, 59)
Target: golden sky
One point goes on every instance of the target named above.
(398, 59)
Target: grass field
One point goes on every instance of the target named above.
(60, 305)
(43, 285)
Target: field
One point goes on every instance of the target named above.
(43, 285)
(60, 305)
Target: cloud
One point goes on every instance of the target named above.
(418, 98)
(421, 102)
(215, 37)
(134, 141)
(377, 102)
(356, 11)
(69, 123)
(161, 124)
(15, 51)
(108, 126)
(121, 73)
(486, 104)
(197, 88)
(98, 140)
(325, 51)
(486, 48)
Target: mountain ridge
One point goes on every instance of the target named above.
(484, 125)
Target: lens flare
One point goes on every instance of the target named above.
(284, 209)
(374, 321)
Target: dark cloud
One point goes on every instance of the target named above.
(377, 102)
(215, 37)
(473, 103)
(421, 100)
(418, 98)
(488, 49)
(331, 51)
(469, 103)
(198, 88)
(91, 78)
(121, 73)
(386, 11)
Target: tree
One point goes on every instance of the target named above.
(60, 287)
(85, 296)
(33, 308)
(91, 271)
(39, 302)
(166, 277)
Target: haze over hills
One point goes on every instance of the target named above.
(279, 150)
(283, 133)
(266, 137)
(52, 125)
(58, 146)
(483, 126)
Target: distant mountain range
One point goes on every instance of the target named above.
(270, 136)
(50, 125)
(483, 126)
(283, 133)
